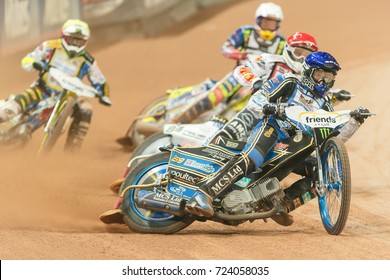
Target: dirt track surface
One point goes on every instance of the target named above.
(50, 207)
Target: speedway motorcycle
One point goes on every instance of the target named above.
(184, 135)
(53, 112)
(155, 193)
(165, 108)
(16, 132)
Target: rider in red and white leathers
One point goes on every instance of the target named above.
(69, 55)
(267, 66)
(263, 37)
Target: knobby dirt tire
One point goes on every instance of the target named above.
(146, 221)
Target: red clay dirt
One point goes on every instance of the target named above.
(50, 207)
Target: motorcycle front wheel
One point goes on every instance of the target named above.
(142, 220)
(150, 119)
(335, 202)
(57, 124)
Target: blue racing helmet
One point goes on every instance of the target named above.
(319, 72)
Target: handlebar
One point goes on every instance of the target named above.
(37, 66)
(356, 114)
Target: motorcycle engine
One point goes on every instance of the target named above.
(256, 197)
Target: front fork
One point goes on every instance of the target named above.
(57, 108)
(53, 113)
(319, 183)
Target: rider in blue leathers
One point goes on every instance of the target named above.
(260, 117)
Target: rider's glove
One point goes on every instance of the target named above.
(270, 109)
(342, 95)
(360, 114)
(37, 66)
(105, 100)
(256, 86)
(237, 55)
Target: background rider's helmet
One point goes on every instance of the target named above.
(298, 46)
(75, 35)
(319, 72)
(268, 18)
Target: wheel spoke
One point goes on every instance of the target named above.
(334, 205)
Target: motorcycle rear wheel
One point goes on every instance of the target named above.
(150, 146)
(51, 136)
(334, 204)
(143, 220)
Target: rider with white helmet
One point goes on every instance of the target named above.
(263, 37)
(267, 66)
(268, 18)
(68, 54)
(256, 39)
(75, 35)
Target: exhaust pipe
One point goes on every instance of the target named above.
(160, 202)
(167, 203)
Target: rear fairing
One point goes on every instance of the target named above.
(190, 166)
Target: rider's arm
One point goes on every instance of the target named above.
(244, 76)
(280, 87)
(350, 128)
(36, 56)
(98, 81)
(234, 47)
(253, 71)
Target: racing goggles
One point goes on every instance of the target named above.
(268, 23)
(299, 53)
(320, 75)
(75, 41)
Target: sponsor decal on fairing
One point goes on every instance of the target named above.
(227, 179)
(183, 176)
(201, 166)
(319, 119)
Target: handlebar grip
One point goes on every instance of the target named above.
(37, 66)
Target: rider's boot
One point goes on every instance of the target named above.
(9, 109)
(115, 215)
(298, 188)
(201, 203)
(283, 219)
(299, 193)
(293, 192)
(25, 132)
(78, 129)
